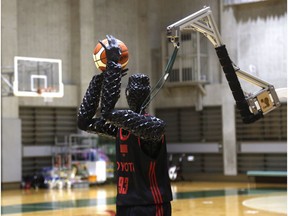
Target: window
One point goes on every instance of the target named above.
(273, 127)
(191, 64)
(40, 126)
(186, 125)
(271, 162)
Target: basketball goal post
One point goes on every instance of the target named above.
(252, 106)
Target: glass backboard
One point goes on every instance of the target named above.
(37, 77)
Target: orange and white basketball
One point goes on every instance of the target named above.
(99, 55)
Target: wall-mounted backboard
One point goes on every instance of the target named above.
(38, 77)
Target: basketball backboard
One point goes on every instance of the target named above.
(38, 77)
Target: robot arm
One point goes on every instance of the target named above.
(145, 126)
(105, 86)
(90, 102)
(251, 107)
(86, 119)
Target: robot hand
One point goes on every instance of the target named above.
(113, 51)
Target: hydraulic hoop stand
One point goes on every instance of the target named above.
(253, 106)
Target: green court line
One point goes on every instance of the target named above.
(50, 206)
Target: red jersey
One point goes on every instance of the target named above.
(141, 180)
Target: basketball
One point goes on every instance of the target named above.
(99, 55)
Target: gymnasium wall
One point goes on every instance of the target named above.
(255, 35)
(66, 30)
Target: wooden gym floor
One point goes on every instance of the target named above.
(190, 198)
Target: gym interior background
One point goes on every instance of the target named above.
(196, 101)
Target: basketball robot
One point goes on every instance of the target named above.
(143, 185)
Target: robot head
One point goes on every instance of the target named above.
(137, 90)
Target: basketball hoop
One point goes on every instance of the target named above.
(47, 97)
(46, 90)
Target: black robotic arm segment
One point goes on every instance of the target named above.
(101, 127)
(235, 86)
(145, 126)
(90, 102)
(111, 87)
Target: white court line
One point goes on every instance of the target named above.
(277, 204)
